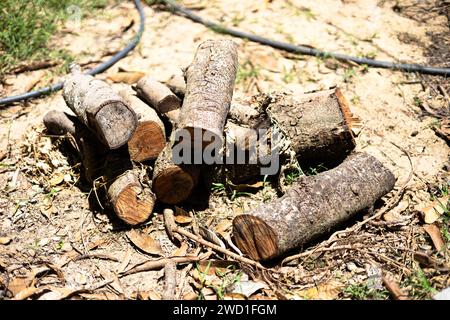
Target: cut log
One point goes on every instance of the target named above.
(92, 153)
(209, 90)
(131, 199)
(173, 183)
(160, 97)
(149, 138)
(312, 207)
(99, 108)
(317, 124)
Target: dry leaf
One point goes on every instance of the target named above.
(56, 179)
(145, 242)
(183, 219)
(324, 291)
(247, 288)
(181, 251)
(19, 284)
(129, 77)
(223, 226)
(433, 211)
(435, 235)
(28, 292)
(234, 296)
(213, 267)
(148, 295)
(125, 261)
(211, 236)
(5, 240)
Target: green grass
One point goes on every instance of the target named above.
(365, 291)
(26, 27)
(421, 287)
(246, 71)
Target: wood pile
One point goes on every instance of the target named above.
(127, 139)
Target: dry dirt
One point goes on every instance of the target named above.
(46, 215)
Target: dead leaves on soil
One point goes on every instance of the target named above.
(145, 242)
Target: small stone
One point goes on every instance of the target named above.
(414, 133)
(43, 242)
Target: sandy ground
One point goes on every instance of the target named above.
(48, 218)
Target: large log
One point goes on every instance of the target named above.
(209, 90)
(92, 153)
(99, 108)
(173, 183)
(160, 97)
(149, 138)
(317, 124)
(130, 197)
(312, 207)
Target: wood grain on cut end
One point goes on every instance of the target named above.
(132, 202)
(149, 138)
(132, 206)
(116, 123)
(173, 185)
(140, 147)
(254, 237)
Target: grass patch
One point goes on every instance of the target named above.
(26, 27)
(365, 291)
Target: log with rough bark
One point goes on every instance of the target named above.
(312, 207)
(99, 108)
(317, 124)
(160, 97)
(173, 183)
(209, 90)
(149, 138)
(92, 153)
(128, 191)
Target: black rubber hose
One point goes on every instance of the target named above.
(302, 49)
(96, 70)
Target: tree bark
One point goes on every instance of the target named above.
(317, 124)
(160, 97)
(130, 197)
(209, 89)
(99, 108)
(312, 207)
(173, 183)
(149, 138)
(92, 153)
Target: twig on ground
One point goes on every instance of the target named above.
(170, 281)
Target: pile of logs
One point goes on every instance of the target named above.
(126, 139)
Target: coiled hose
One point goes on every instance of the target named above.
(302, 49)
(176, 8)
(96, 70)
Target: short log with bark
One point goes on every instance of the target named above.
(128, 139)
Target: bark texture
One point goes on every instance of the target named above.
(92, 153)
(149, 138)
(160, 97)
(312, 207)
(209, 89)
(317, 124)
(100, 109)
(177, 84)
